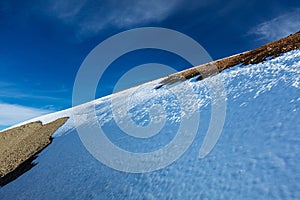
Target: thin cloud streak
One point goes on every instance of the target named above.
(278, 27)
(11, 114)
(90, 18)
(15, 91)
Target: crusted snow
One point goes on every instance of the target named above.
(255, 157)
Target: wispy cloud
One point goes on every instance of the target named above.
(17, 91)
(88, 17)
(15, 94)
(5, 84)
(278, 27)
(11, 114)
(45, 100)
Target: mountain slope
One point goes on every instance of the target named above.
(255, 157)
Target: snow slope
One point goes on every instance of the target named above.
(256, 156)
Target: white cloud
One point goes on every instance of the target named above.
(278, 27)
(88, 18)
(11, 90)
(11, 114)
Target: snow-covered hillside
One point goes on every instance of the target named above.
(256, 156)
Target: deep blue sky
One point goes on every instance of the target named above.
(43, 43)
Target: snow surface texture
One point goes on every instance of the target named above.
(256, 157)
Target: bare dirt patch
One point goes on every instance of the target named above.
(273, 49)
(19, 147)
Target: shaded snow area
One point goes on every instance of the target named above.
(256, 157)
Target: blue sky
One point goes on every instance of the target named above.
(43, 43)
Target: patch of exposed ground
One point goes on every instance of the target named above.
(19, 147)
(273, 49)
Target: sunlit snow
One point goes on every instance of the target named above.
(256, 157)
